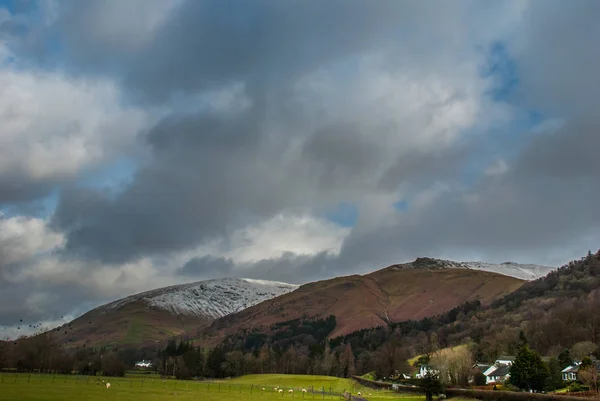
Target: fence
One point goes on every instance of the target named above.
(73, 381)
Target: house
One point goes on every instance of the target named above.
(499, 372)
(570, 372)
(143, 364)
(424, 370)
(478, 369)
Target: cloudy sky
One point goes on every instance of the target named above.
(151, 142)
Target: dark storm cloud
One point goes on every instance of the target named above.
(207, 266)
(287, 268)
(218, 42)
(205, 174)
(547, 200)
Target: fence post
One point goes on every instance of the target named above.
(323, 391)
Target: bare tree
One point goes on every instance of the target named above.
(589, 376)
(454, 365)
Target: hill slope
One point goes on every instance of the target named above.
(158, 314)
(512, 269)
(392, 294)
(555, 313)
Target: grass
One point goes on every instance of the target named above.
(24, 387)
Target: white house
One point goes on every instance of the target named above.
(570, 372)
(143, 364)
(424, 370)
(499, 372)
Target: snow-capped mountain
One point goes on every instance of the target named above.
(512, 269)
(211, 298)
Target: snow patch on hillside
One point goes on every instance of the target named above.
(520, 271)
(211, 298)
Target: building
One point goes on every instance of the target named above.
(143, 364)
(499, 372)
(424, 370)
(570, 372)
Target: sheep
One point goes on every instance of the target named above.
(107, 385)
(262, 389)
(290, 391)
(304, 390)
(280, 391)
(359, 393)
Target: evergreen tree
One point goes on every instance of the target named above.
(347, 363)
(528, 372)
(554, 380)
(565, 359)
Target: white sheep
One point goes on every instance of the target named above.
(262, 389)
(107, 385)
(304, 390)
(290, 391)
(280, 391)
(275, 388)
(359, 393)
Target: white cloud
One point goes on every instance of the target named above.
(54, 126)
(22, 238)
(273, 238)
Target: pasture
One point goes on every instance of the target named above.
(25, 387)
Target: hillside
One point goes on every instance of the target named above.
(555, 312)
(161, 313)
(512, 269)
(393, 294)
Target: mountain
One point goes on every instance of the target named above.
(521, 271)
(161, 313)
(556, 312)
(423, 288)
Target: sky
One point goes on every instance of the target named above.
(145, 143)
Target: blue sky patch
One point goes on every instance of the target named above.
(345, 214)
(401, 205)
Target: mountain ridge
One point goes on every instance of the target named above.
(521, 271)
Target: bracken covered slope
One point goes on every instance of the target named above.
(392, 294)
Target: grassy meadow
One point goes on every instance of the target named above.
(24, 387)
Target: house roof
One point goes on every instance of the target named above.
(481, 367)
(570, 369)
(501, 370)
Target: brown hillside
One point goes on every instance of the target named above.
(395, 293)
(135, 323)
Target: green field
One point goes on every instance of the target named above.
(24, 387)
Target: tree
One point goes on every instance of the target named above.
(112, 365)
(347, 363)
(528, 371)
(554, 380)
(565, 359)
(431, 384)
(454, 365)
(588, 374)
(582, 349)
